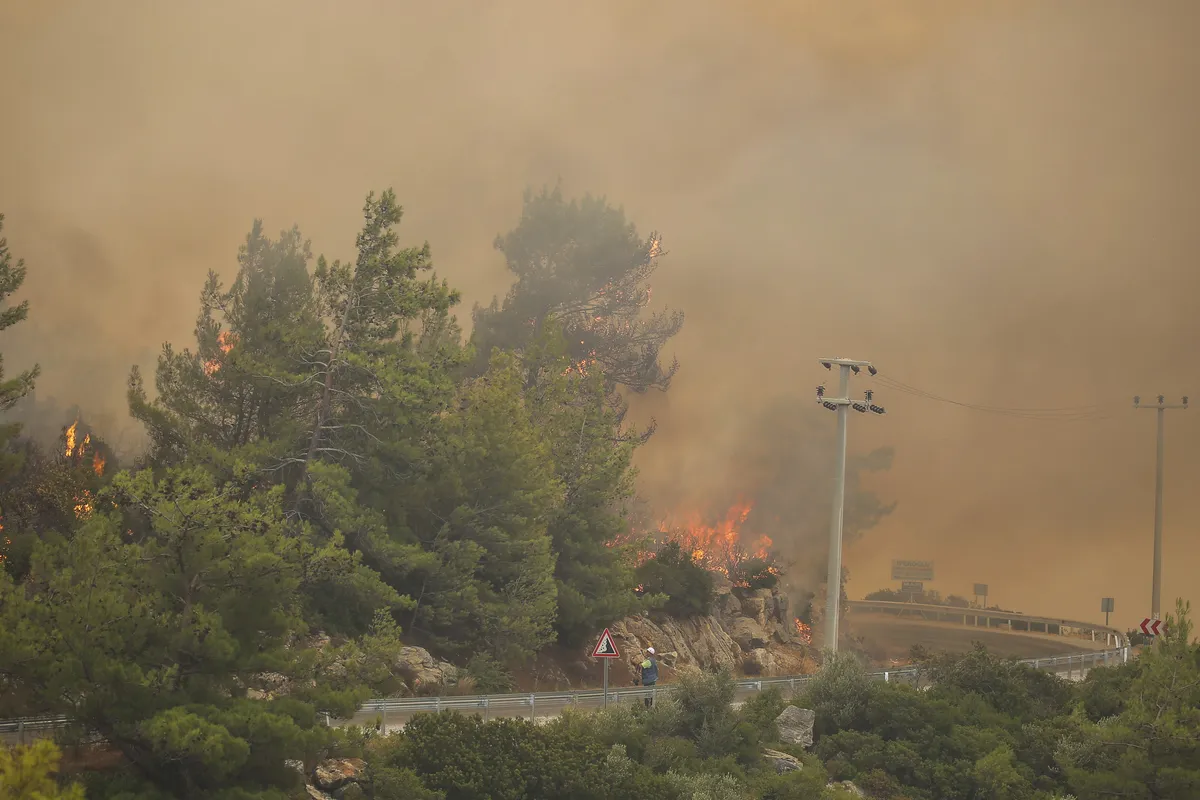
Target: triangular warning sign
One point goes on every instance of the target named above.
(606, 647)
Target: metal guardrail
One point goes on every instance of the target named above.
(1073, 663)
(1077, 663)
(953, 613)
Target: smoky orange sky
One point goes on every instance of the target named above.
(994, 201)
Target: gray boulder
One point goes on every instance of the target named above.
(796, 726)
(748, 634)
(782, 762)
(759, 661)
(334, 773)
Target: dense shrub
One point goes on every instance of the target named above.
(755, 573)
(674, 573)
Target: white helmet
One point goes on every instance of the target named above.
(650, 650)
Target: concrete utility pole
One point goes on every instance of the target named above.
(841, 404)
(1156, 588)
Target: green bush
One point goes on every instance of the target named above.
(761, 711)
(755, 573)
(489, 675)
(674, 573)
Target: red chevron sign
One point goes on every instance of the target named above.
(1152, 627)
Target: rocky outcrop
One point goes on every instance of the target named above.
(748, 632)
(782, 762)
(422, 671)
(849, 787)
(335, 773)
(682, 645)
(795, 726)
(759, 661)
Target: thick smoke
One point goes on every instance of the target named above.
(994, 201)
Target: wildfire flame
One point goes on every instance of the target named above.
(581, 367)
(721, 546)
(804, 631)
(76, 449)
(83, 505)
(226, 341)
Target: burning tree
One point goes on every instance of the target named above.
(52, 492)
(583, 264)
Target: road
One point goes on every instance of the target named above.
(889, 637)
(393, 713)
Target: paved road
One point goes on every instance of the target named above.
(393, 713)
(890, 637)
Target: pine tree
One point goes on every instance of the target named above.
(583, 264)
(12, 276)
(1151, 749)
(595, 569)
(483, 513)
(154, 642)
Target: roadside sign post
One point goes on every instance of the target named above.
(1152, 626)
(1106, 606)
(981, 590)
(911, 588)
(912, 570)
(606, 649)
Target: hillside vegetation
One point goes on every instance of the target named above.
(335, 474)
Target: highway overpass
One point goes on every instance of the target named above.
(889, 630)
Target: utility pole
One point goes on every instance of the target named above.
(1156, 587)
(841, 404)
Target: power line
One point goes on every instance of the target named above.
(1089, 413)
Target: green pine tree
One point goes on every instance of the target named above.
(155, 640)
(595, 570)
(1151, 749)
(484, 510)
(12, 276)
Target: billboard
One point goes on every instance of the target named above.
(912, 570)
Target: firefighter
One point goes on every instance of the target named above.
(648, 673)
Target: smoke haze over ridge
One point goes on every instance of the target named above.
(995, 202)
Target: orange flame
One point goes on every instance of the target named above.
(226, 341)
(71, 438)
(804, 631)
(83, 505)
(98, 463)
(718, 547)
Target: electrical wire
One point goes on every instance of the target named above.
(1090, 413)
